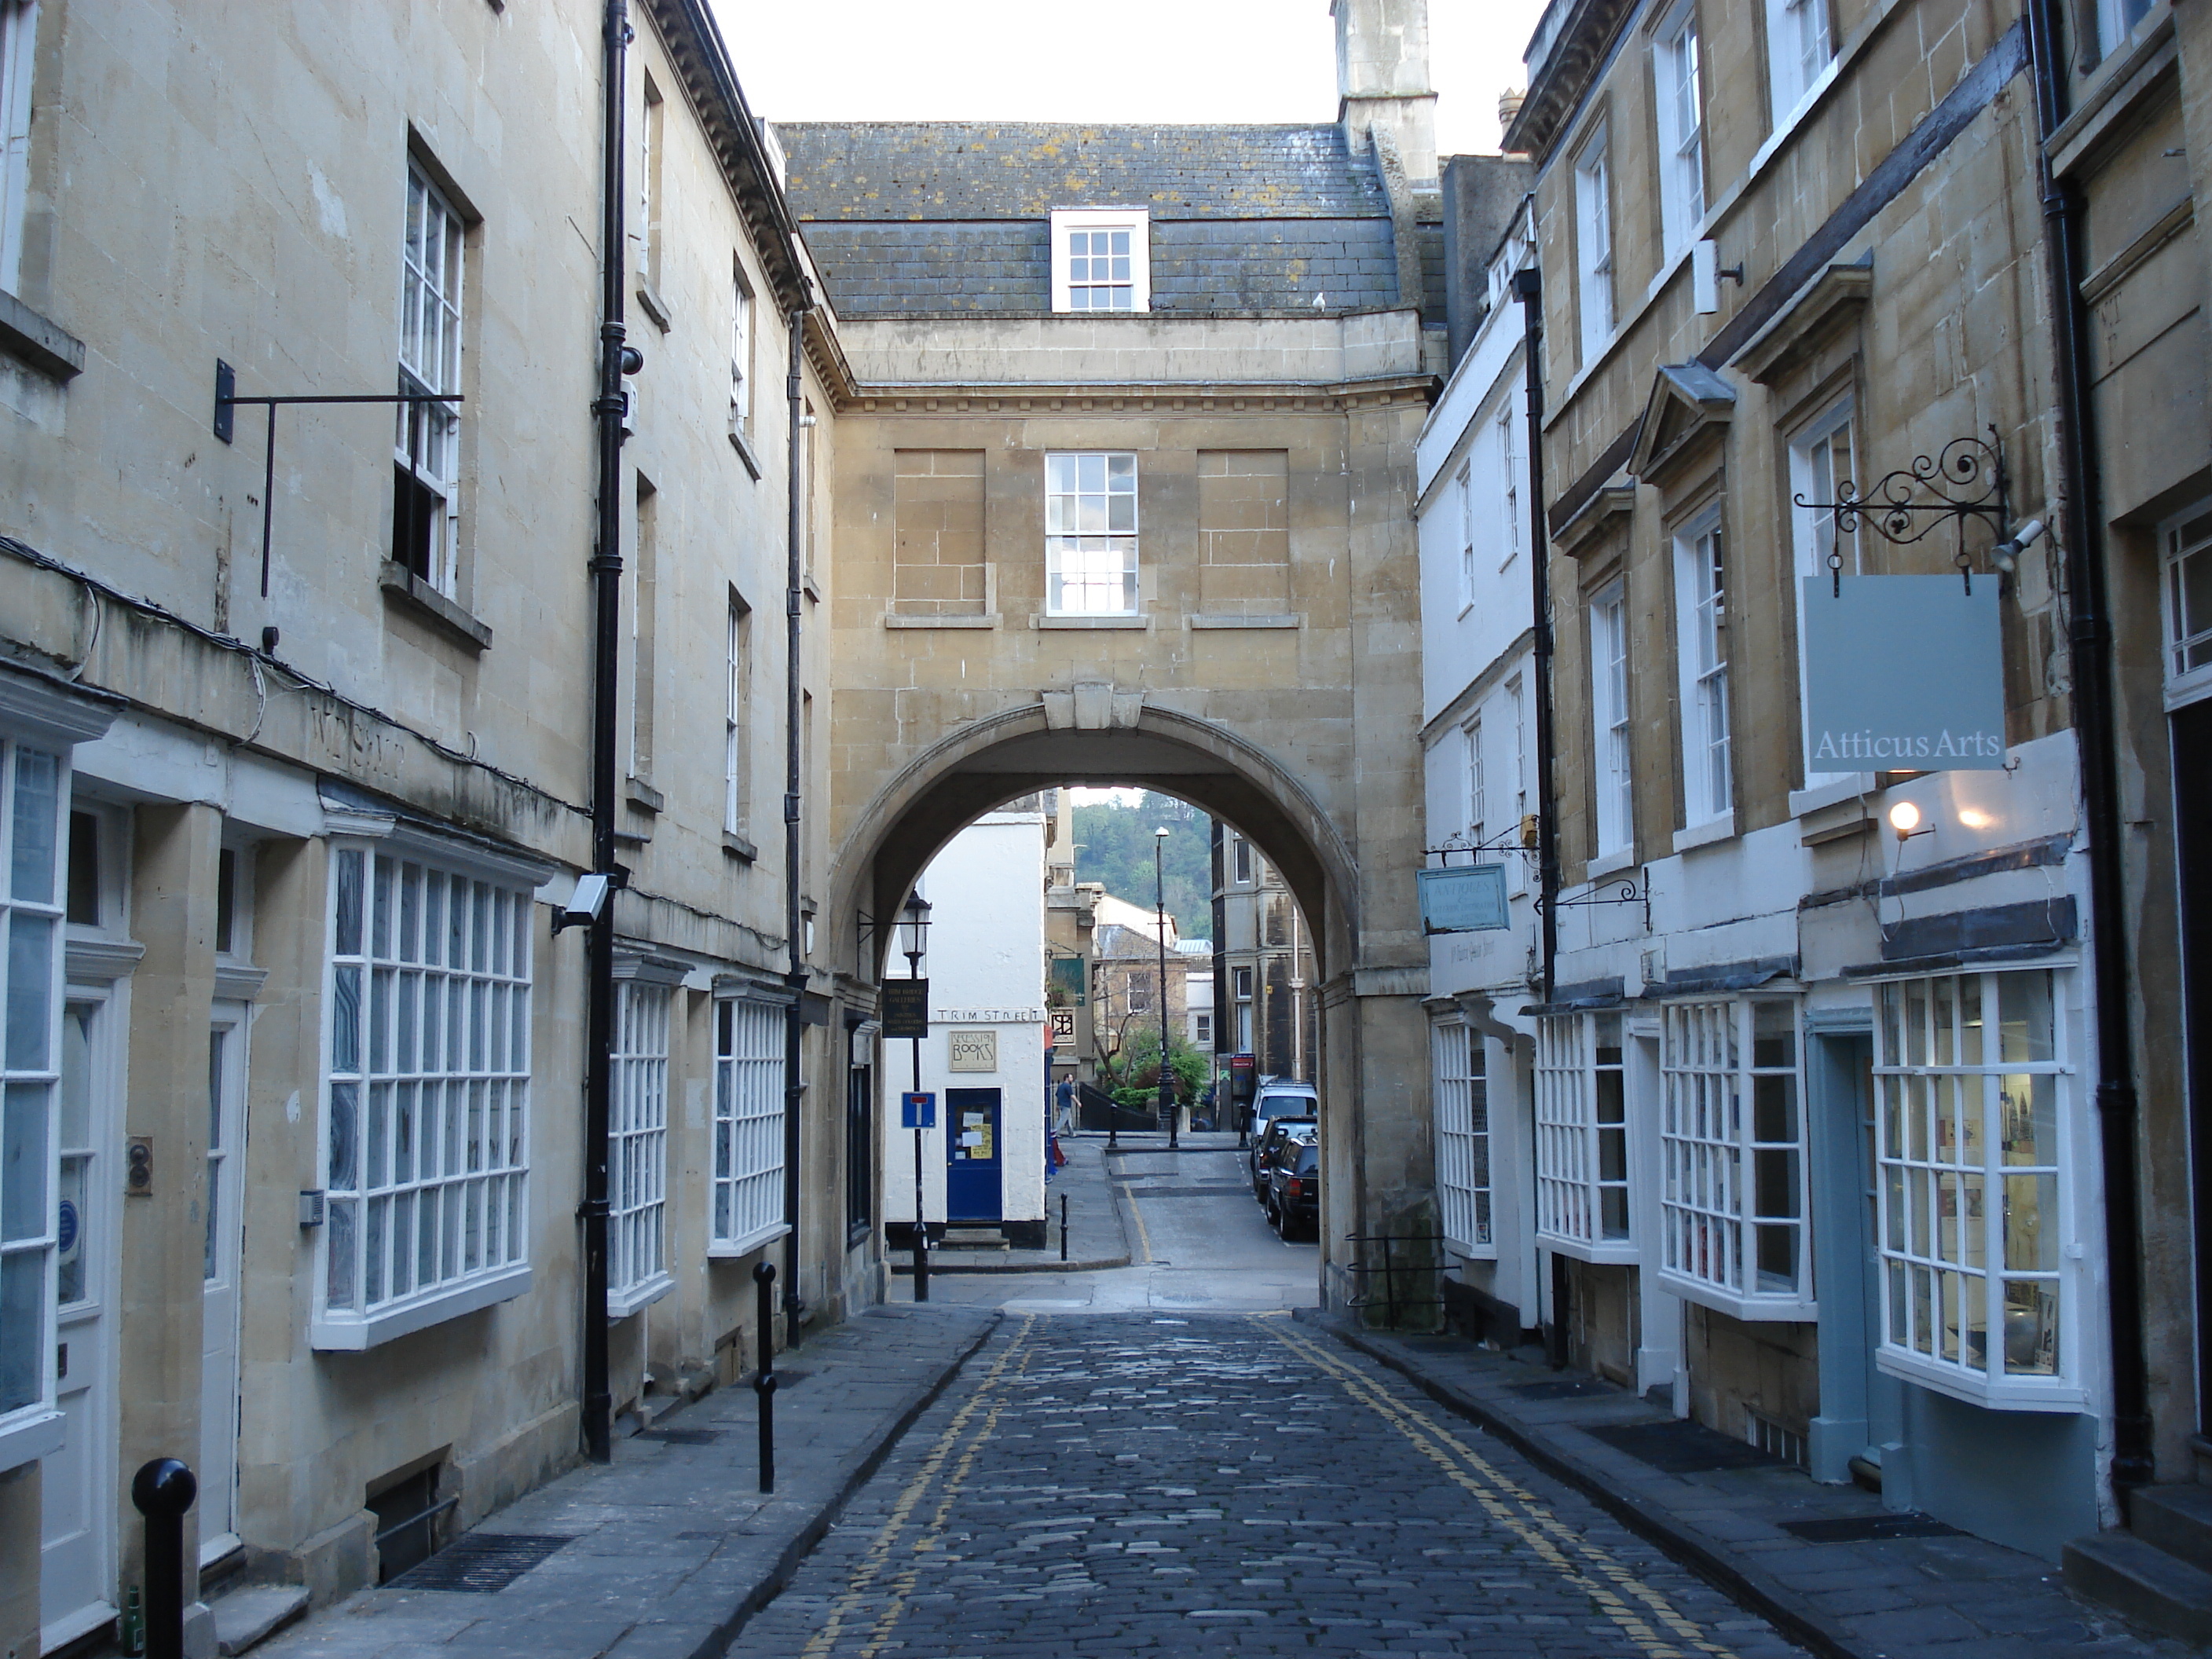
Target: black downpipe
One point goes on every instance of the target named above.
(2090, 637)
(607, 409)
(1529, 288)
(794, 1028)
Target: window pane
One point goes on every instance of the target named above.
(38, 778)
(23, 1202)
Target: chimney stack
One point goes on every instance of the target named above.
(1508, 107)
(1383, 79)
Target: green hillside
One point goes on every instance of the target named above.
(1114, 845)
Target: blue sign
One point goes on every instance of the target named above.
(1903, 674)
(68, 1227)
(1467, 898)
(918, 1111)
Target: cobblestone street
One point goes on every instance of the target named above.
(1140, 1484)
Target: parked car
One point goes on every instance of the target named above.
(1282, 1097)
(1278, 1130)
(1294, 1188)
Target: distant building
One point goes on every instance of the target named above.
(1263, 964)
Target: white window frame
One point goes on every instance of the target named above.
(2185, 547)
(1584, 1207)
(1936, 1090)
(745, 1178)
(2118, 21)
(1816, 472)
(1201, 1028)
(1462, 1125)
(1240, 985)
(1090, 541)
(1593, 249)
(19, 39)
(741, 355)
(637, 1143)
(734, 641)
(1125, 296)
(1476, 778)
(1240, 860)
(432, 291)
(1800, 45)
(1613, 761)
(1714, 1168)
(1509, 484)
(1702, 667)
(32, 808)
(1465, 486)
(420, 1120)
(1679, 99)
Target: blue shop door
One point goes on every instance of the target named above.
(971, 1156)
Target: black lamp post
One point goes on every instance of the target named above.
(914, 929)
(1167, 1108)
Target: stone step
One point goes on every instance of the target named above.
(2177, 1519)
(2143, 1584)
(246, 1617)
(972, 1238)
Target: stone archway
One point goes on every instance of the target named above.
(1375, 1068)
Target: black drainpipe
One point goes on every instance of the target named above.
(607, 409)
(2090, 637)
(1529, 288)
(795, 924)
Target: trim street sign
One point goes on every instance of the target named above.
(918, 1111)
(1466, 899)
(906, 1007)
(1903, 674)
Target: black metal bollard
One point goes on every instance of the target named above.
(162, 1491)
(764, 1378)
(1063, 1226)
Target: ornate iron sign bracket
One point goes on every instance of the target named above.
(1966, 479)
(1636, 890)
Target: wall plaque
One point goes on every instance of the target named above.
(1466, 899)
(972, 1050)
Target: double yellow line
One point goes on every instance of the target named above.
(985, 1402)
(1641, 1613)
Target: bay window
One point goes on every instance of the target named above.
(1581, 1137)
(1462, 1118)
(1732, 1158)
(747, 1207)
(1971, 1086)
(33, 794)
(426, 1123)
(637, 1147)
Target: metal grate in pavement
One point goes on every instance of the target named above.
(481, 1562)
(1869, 1528)
(682, 1437)
(1682, 1447)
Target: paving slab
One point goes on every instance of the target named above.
(1942, 1597)
(1097, 1235)
(672, 1547)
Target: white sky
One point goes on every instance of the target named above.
(1158, 60)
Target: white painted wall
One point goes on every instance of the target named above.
(986, 967)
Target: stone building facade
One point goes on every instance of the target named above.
(1863, 174)
(289, 1025)
(1263, 965)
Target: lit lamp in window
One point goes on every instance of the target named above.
(913, 943)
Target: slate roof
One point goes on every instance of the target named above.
(917, 170)
(942, 218)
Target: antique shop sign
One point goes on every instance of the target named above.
(1467, 898)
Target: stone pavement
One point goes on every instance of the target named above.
(1139, 1484)
(1096, 1238)
(661, 1554)
(1942, 1596)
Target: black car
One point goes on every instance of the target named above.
(1270, 1138)
(1294, 1189)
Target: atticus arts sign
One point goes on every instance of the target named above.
(1903, 674)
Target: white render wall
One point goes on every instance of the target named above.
(986, 967)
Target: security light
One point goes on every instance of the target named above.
(1904, 818)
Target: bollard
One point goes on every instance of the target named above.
(764, 1378)
(1063, 1226)
(162, 1491)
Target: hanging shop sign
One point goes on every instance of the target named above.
(1903, 674)
(906, 1007)
(1466, 899)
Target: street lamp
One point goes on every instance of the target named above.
(914, 938)
(1167, 1108)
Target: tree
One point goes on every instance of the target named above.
(1133, 1069)
(1113, 846)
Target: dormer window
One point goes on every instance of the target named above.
(1101, 260)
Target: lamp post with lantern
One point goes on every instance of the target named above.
(914, 931)
(1167, 1106)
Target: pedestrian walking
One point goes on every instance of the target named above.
(1064, 1096)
